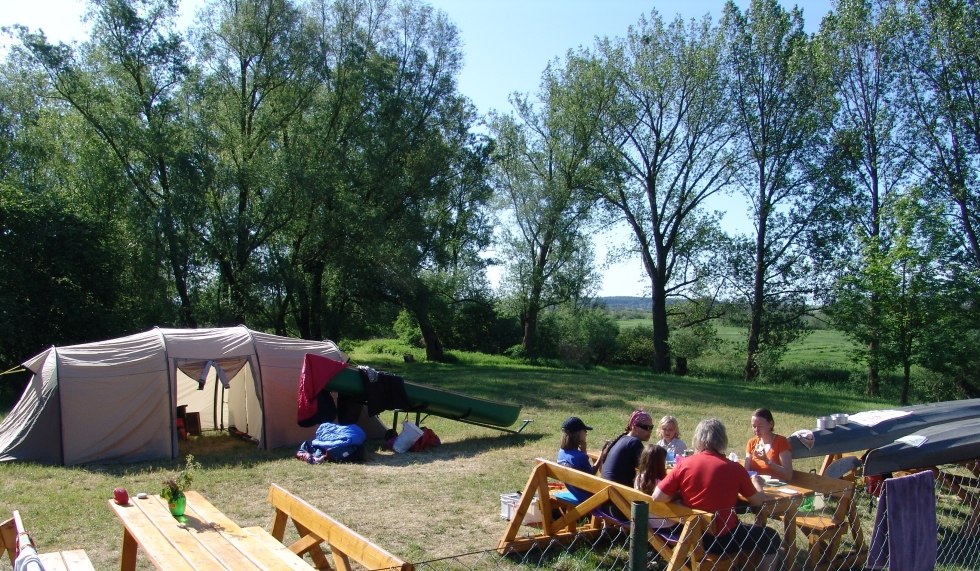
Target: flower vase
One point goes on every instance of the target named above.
(177, 505)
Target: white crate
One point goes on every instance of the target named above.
(508, 508)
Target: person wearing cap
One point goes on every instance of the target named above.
(573, 452)
(621, 456)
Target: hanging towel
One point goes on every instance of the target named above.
(905, 529)
(314, 403)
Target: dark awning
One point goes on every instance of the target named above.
(932, 446)
(853, 437)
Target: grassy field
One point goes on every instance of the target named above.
(420, 506)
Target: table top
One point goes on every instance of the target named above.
(205, 539)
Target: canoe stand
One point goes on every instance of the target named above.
(419, 418)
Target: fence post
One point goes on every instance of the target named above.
(638, 535)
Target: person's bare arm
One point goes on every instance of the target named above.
(785, 468)
(659, 496)
(758, 499)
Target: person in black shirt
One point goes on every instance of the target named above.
(620, 457)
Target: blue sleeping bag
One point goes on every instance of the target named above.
(335, 442)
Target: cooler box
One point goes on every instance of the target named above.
(508, 507)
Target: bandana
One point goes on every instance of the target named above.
(640, 416)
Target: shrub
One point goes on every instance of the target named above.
(635, 346)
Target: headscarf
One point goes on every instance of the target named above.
(638, 416)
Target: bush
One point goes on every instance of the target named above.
(635, 346)
(584, 336)
(407, 329)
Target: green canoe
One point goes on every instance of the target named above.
(438, 402)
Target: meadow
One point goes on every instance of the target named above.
(420, 506)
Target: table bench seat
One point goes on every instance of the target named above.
(14, 537)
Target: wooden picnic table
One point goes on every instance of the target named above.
(206, 539)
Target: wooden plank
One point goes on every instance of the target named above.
(71, 560)
(272, 554)
(154, 545)
(52, 561)
(204, 528)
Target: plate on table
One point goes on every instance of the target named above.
(775, 483)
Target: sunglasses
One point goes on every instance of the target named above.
(645, 426)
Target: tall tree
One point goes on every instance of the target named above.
(546, 169)
(418, 174)
(782, 100)
(940, 52)
(669, 131)
(126, 82)
(263, 64)
(862, 38)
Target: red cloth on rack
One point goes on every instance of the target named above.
(316, 374)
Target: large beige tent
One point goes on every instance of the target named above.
(116, 400)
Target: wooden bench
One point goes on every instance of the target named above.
(560, 520)
(315, 528)
(15, 538)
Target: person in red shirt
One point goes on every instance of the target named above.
(711, 482)
(767, 452)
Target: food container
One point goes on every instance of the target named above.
(839, 419)
(830, 421)
(821, 422)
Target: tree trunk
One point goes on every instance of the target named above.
(681, 366)
(906, 380)
(433, 347)
(661, 347)
(757, 306)
(530, 332)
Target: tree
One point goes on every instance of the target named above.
(862, 36)
(908, 280)
(940, 53)
(126, 84)
(669, 131)
(546, 169)
(264, 63)
(418, 177)
(782, 100)
(66, 288)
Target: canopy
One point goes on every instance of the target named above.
(883, 427)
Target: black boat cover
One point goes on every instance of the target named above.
(885, 426)
(933, 446)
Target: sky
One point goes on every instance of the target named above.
(507, 44)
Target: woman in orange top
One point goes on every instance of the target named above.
(768, 453)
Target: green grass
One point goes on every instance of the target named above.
(420, 506)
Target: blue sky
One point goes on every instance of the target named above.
(507, 44)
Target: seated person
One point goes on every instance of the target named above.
(653, 468)
(711, 482)
(573, 452)
(767, 452)
(670, 436)
(621, 456)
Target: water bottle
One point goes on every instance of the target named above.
(670, 455)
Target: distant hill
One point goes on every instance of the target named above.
(621, 302)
